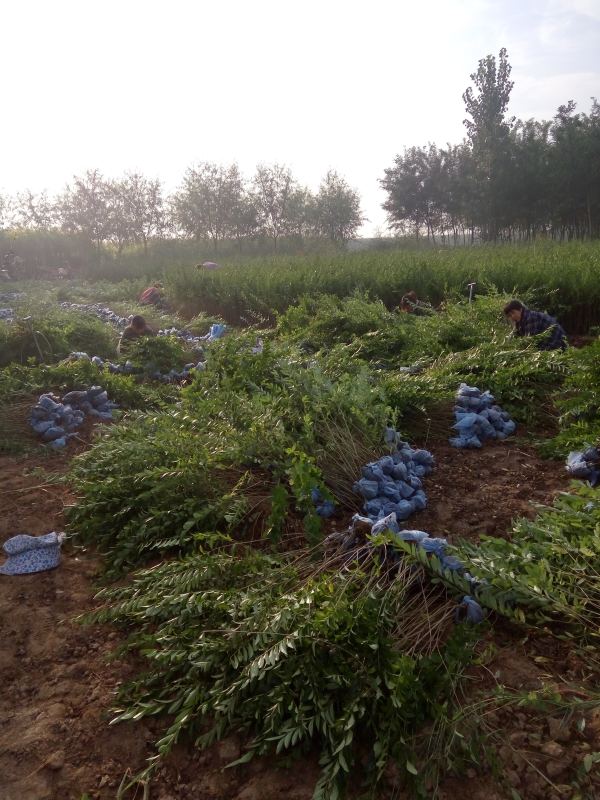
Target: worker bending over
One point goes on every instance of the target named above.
(411, 304)
(153, 296)
(532, 323)
(135, 330)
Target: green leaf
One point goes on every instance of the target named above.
(242, 760)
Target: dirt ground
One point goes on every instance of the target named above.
(481, 492)
(55, 740)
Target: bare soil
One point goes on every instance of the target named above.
(481, 492)
(58, 685)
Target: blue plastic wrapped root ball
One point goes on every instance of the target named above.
(478, 419)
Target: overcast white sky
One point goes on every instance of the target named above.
(156, 86)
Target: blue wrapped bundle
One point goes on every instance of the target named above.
(435, 546)
(452, 563)
(467, 391)
(387, 465)
(391, 492)
(400, 473)
(414, 537)
(478, 419)
(326, 509)
(485, 429)
(373, 507)
(389, 523)
(389, 435)
(393, 482)
(470, 610)
(466, 423)
(585, 465)
(43, 426)
(465, 442)
(404, 509)
(592, 455)
(373, 471)
(368, 489)
(98, 400)
(75, 397)
(405, 490)
(509, 427)
(48, 403)
(423, 457)
(54, 432)
(419, 500)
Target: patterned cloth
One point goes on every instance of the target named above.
(28, 554)
(532, 323)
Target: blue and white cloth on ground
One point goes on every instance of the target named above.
(29, 554)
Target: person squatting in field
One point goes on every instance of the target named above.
(135, 330)
(153, 296)
(411, 304)
(532, 323)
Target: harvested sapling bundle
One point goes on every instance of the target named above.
(363, 536)
(585, 465)
(56, 420)
(478, 419)
(97, 310)
(393, 484)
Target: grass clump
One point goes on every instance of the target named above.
(49, 334)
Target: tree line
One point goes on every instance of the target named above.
(508, 180)
(213, 203)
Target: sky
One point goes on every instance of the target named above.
(315, 85)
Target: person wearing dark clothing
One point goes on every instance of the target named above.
(532, 323)
(135, 330)
(411, 304)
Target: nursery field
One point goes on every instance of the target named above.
(330, 551)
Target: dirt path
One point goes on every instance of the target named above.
(482, 492)
(55, 741)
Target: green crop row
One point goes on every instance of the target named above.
(564, 279)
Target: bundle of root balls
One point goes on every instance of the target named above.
(10, 297)
(56, 420)
(393, 484)
(128, 368)
(324, 508)
(585, 465)
(361, 537)
(216, 331)
(478, 418)
(98, 310)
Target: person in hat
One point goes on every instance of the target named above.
(533, 323)
(135, 330)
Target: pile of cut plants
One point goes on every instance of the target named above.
(251, 611)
